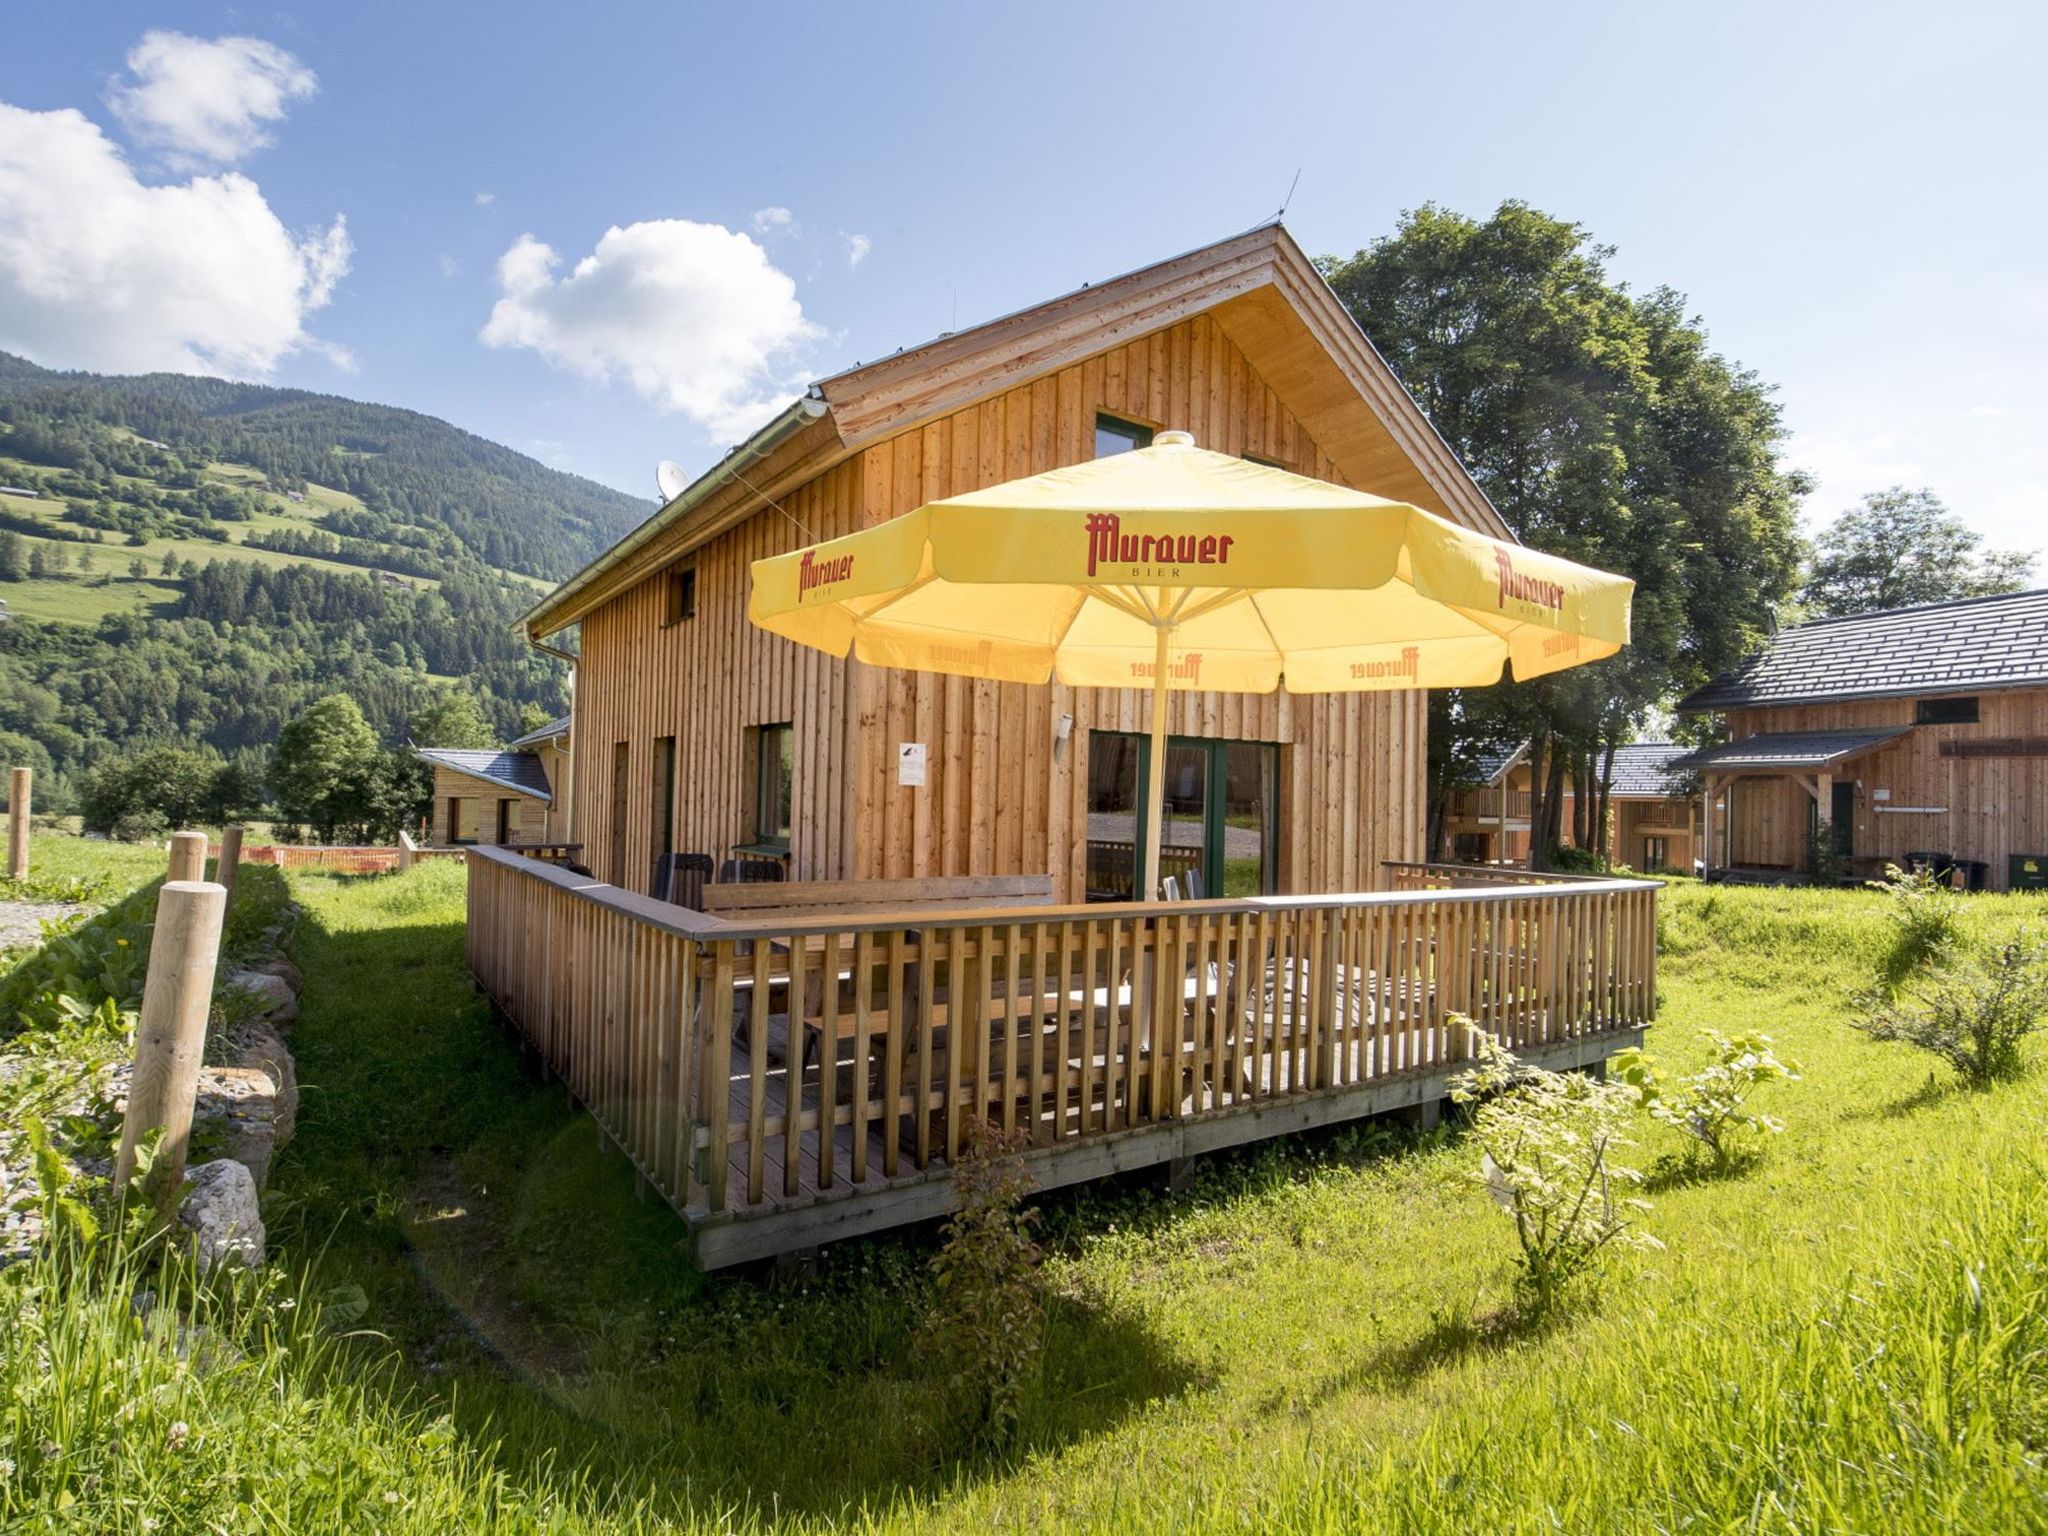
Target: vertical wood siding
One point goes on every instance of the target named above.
(1990, 807)
(997, 799)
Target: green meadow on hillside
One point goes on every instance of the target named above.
(1849, 1335)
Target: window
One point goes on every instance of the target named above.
(1946, 712)
(774, 782)
(1115, 435)
(622, 778)
(1221, 815)
(1656, 855)
(664, 818)
(507, 810)
(682, 595)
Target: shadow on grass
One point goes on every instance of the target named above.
(554, 1315)
(1936, 1090)
(1450, 1338)
(1686, 1170)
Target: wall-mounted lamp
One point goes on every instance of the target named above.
(1062, 728)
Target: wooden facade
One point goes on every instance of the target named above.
(1489, 824)
(472, 810)
(1240, 344)
(1969, 790)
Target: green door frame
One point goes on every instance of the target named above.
(1214, 827)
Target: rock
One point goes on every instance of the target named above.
(235, 1115)
(219, 1207)
(279, 1001)
(259, 1046)
(279, 965)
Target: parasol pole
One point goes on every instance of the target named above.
(1155, 788)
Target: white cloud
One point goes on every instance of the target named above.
(1987, 412)
(857, 248)
(206, 103)
(485, 199)
(694, 316)
(98, 270)
(769, 222)
(450, 267)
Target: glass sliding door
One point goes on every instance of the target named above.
(1221, 823)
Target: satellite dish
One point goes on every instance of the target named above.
(672, 479)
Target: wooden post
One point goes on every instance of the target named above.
(188, 856)
(175, 998)
(229, 865)
(406, 849)
(18, 787)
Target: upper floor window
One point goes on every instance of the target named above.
(682, 595)
(1115, 435)
(1946, 712)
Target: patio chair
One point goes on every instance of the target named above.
(749, 871)
(680, 878)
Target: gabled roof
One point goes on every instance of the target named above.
(519, 772)
(1646, 770)
(549, 732)
(1496, 761)
(1788, 751)
(1975, 644)
(1259, 287)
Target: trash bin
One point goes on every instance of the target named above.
(2027, 871)
(1928, 862)
(1976, 874)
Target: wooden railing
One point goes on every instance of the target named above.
(1451, 877)
(780, 1062)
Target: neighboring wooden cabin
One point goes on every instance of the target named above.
(1914, 731)
(502, 797)
(696, 732)
(1653, 822)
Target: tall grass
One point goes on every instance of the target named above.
(1852, 1335)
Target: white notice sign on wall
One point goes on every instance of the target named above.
(910, 762)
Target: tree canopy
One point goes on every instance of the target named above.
(1900, 547)
(1604, 428)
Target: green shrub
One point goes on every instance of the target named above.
(1710, 1105)
(1546, 1143)
(1974, 1011)
(1925, 918)
(987, 1323)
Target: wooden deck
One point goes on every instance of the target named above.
(804, 1080)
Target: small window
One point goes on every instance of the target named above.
(774, 781)
(1115, 435)
(682, 595)
(1947, 712)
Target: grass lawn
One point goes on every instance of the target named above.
(1850, 1335)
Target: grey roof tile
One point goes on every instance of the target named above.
(520, 771)
(1977, 643)
(1786, 750)
(1644, 770)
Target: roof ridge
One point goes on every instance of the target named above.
(1885, 613)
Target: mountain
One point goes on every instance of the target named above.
(506, 509)
(192, 560)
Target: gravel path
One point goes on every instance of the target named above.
(21, 921)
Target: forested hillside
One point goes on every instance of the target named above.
(192, 561)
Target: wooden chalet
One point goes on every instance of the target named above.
(1915, 735)
(1654, 811)
(952, 935)
(506, 797)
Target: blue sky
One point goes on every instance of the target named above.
(1849, 195)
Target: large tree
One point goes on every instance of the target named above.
(1902, 547)
(324, 769)
(1604, 429)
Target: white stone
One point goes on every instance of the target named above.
(219, 1206)
(279, 1002)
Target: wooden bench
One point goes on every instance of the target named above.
(770, 902)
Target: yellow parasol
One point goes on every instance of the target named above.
(1175, 567)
